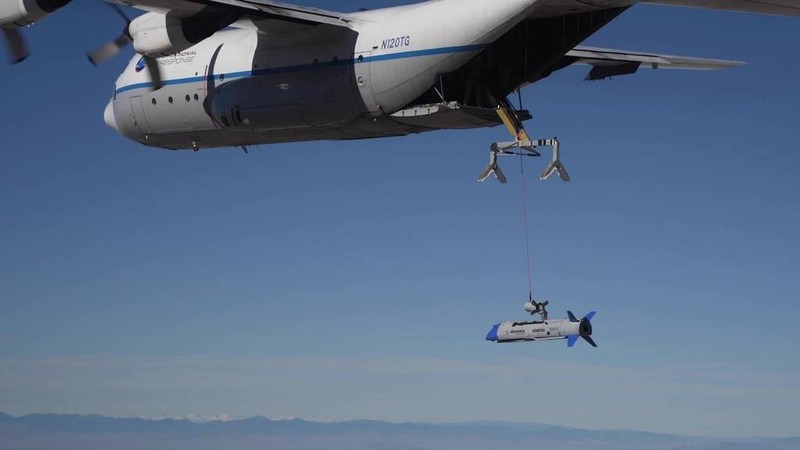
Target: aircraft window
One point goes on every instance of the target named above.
(153, 101)
(315, 62)
(221, 76)
(188, 99)
(170, 99)
(335, 59)
(196, 97)
(360, 58)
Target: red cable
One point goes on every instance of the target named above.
(525, 214)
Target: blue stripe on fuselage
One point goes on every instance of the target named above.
(301, 67)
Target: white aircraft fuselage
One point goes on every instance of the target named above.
(214, 73)
(240, 87)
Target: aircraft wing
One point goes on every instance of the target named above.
(607, 62)
(775, 7)
(263, 13)
(553, 8)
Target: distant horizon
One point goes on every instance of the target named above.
(200, 419)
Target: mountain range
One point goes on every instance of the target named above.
(90, 432)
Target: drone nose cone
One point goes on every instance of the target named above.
(492, 334)
(108, 115)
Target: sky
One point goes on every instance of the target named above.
(344, 280)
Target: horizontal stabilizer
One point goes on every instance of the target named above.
(571, 340)
(571, 316)
(608, 62)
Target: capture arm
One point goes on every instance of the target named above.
(522, 145)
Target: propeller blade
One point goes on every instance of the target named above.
(113, 48)
(155, 72)
(16, 45)
(109, 50)
(589, 340)
(210, 86)
(119, 11)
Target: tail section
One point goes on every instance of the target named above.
(584, 329)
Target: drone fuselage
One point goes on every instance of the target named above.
(544, 330)
(533, 330)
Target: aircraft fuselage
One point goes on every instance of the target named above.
(242, 87)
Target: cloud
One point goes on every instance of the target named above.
(194, 418)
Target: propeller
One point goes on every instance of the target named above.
(211, 87)
(113, 48)
(110, 49)
(24, 13)
(16, 45)
(155, 73)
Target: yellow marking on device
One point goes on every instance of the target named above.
(506, 121)
(520, 134)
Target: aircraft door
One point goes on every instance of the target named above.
(137, 115)
(362, 64)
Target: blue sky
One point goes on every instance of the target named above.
(358, 279)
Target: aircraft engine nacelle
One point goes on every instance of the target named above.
(21, 13)
(157, 34)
